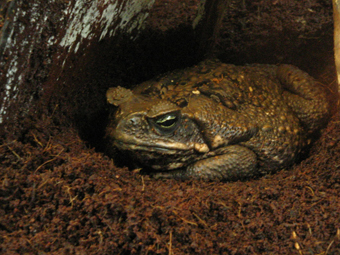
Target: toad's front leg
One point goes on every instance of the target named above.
(235, 162)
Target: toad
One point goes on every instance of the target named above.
(217, 120)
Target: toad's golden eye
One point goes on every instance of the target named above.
(167, 123)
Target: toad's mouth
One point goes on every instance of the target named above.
(164, 145)
(160, 147)
(155, 158)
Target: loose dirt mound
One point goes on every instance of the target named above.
(58, 196)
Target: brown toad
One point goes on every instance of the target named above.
(218, 121)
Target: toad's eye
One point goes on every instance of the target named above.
(166, 123)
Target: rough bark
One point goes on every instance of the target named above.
(39, 37)
(336, 16)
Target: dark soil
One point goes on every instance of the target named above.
(61, 194)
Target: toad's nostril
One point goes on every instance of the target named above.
(133, 121)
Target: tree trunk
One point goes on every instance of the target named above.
(336, 16)
(39, 37)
